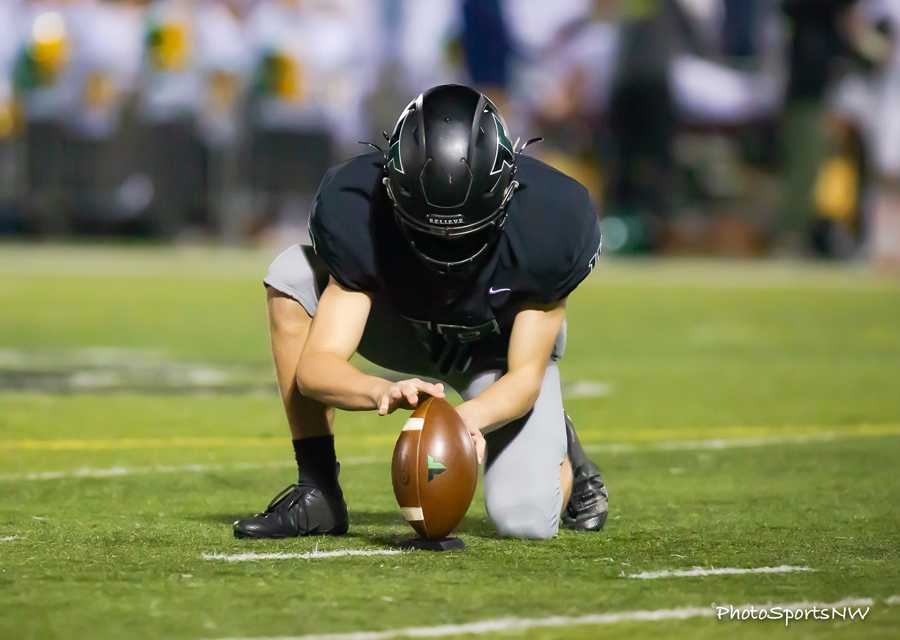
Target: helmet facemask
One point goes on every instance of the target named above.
(452, 249)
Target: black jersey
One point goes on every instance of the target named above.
(549, 244)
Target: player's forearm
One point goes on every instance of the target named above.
(336, 383)
(509, 398)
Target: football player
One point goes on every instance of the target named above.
(304, 72)
(450, 257)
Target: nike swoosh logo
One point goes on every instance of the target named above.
(492, 290)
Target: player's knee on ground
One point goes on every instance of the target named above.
(523, 517)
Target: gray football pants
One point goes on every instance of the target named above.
(521, 478)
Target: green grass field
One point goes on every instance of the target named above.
(746, 416)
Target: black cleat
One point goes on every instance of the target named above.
(589, 504)
(299, 510)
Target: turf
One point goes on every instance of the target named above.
(150, 359)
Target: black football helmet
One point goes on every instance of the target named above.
(450, 173)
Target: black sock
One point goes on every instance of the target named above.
(316, 462)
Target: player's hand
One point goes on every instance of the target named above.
(469, 417)
(480, 443)
(405, 394)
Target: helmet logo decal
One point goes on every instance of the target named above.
(445, 220)
(394, 157)
(503, 142)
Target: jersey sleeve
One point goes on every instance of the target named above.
(570, 249)
(338, 229)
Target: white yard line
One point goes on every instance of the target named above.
(309, 555)
(892, 601)
(524, 624)
(8, 538)
(700, 572)
(115, 472)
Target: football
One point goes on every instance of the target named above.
(434, 469)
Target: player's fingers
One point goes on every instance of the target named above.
(383, 405)
(396, 392)
(480, 446)
(479, 442)
(432, 389)
(411, 394)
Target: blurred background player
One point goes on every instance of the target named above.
(174, 156)
(301, 94)
(865, 136)
(103, 70)
(195, 65)
(42, 80)
(817, 48)
(223, 66)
